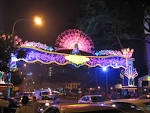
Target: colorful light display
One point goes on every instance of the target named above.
(68, 39)
(46, 57)
(15, 40)
(12, 63)
(112, 61)
(37, 45)
(124, 52)
(77, 59)
(77, 40)
(35, 54)
(2, 77)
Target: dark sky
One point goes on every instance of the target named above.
(58, 15)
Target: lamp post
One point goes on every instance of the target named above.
(37, 20)
(106, 82)
(14, 24)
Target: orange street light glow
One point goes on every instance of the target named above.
(38, 20)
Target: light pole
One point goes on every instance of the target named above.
(14, 24)
(37, 20)
(106, 82)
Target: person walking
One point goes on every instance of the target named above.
(26, 108)
(35, 105)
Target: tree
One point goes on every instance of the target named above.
(110, 23)
(9, 44)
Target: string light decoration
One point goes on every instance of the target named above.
(36, 45)
(69, 38)
(77, 59)
(46, 57)
(77, 41)
(130, 73)
(112, 61)
(2, 77)
(124, 52)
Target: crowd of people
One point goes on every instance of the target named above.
(28, 107)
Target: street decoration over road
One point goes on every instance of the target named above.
(69, 38)
(78, 41)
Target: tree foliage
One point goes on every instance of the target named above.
(9, 44)
(111, 22)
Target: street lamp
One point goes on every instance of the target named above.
(106, 83)
(37, 20)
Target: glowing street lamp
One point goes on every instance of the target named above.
(105, 70)
(38, 21)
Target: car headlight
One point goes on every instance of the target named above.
(41, 110)
(113, 105)
(46, 104)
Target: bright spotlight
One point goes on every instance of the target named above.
(104, 68)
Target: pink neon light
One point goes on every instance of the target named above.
(69, 38)
(13, 39)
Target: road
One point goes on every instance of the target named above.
(67, 100)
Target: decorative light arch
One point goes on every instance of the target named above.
(38, 52)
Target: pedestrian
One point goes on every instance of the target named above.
(26, 108)
(35, 105)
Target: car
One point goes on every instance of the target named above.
(81, 108)
(49, 99)
(46, 101)
(131, 105)
(91, 99)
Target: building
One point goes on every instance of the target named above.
(144, 84)
(72, 85)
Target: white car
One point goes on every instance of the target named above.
(91, 99)
(47, 100)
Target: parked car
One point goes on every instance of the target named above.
(131, 105)
(91, 99)
(40, 93)
(46, 101)
(81, 108)
(53, 99)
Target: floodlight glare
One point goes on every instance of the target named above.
(104, 68)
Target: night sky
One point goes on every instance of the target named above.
(58, 16)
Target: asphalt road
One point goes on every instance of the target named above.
(67, 100)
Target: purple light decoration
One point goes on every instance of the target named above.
(35, 55)
(45, 57)
(37, 45)
(124, 52)
(68, 39)
(113, 61)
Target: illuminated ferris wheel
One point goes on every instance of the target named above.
(72, 37)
